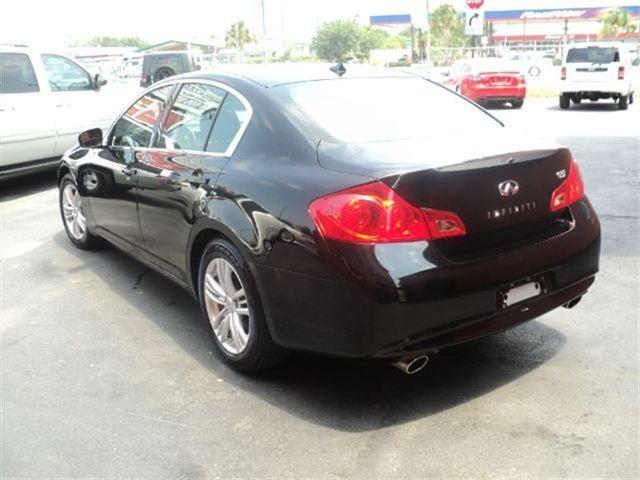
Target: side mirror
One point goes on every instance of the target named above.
(90, 138)
(98, 81)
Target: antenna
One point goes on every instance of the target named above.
(339, 69)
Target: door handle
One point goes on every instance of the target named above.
(129, 171)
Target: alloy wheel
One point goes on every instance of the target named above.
(227, 306)
(73, 213)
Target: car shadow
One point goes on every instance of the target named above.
(27, 184)
(345, 395)
(499, 106)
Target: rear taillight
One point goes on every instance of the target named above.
(620, 72)
(569, 191)
(375, 213)
(563, 73)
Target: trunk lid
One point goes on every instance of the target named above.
(493, 186)
(500, 79)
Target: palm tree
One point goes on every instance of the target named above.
(238, 36)
(615, 22)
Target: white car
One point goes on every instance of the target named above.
(46, 100)
(597, 71)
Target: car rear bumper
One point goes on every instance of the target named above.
(616, 87)
(479, 94)
(389, 314)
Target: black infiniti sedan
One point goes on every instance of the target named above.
(369, 215)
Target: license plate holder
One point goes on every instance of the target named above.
(520, 293)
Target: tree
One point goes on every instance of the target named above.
(615, 22)
(447, 31)
(238, 36)
(338, 40)
(116, 42)
(372, 38)
(342, 39)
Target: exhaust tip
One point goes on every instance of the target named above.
(572, 303)
(412, 365)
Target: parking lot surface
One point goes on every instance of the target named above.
(107, 369)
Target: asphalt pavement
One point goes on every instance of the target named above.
(107, 370)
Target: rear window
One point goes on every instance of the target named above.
(593, 55)
(377, 109)
(16, 74)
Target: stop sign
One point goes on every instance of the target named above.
(474, 4)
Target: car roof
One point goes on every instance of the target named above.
(597, 44)
(272, 75)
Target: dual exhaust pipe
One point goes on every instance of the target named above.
(411, 365)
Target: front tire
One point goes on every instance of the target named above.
(73, 215)
(565, 101)
(231, 308)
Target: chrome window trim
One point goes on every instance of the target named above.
(177, 84)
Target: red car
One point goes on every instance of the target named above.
(488, 82)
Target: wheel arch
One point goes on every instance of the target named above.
(63, 169)
(201, 237)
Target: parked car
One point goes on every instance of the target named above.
(46, 99)
(533, 63)
(597, 71)
(161, 65)
(488, 81)
(303, 215)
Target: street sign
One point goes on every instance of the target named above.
(474, 22)
(474, 4)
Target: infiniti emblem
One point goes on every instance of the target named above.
(508, 188)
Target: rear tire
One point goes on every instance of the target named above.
(565, 101)
(232, 310)
(73, 215)
(517, 103)
(623, 102)
(631, 98)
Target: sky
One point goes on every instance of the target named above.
(55, 24)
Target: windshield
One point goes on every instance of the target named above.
(377, 109)
(593, 55)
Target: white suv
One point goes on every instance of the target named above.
(594, 71)
(46, 100)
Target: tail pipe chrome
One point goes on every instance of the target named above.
(411, 365)
(573, 303)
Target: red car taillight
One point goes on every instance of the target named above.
(620, 72)
(374, 213)
(569, 191)
(563, 73)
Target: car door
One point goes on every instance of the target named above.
(108, 179)
(196, 138)
(27, 124)
(79, 104)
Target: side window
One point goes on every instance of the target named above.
(135, 127)
(192, 114)
(64, 75)
(232, 118)
(16, 74)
